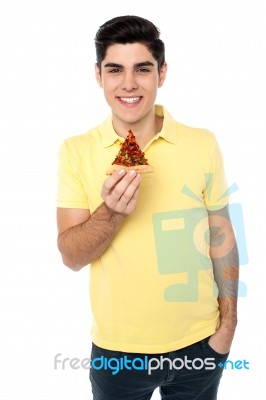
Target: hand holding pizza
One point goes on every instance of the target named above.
(120, 191)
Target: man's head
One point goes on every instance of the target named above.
(130, 68)
(129, 29)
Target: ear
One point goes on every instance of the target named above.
(98, 76)
(162, 76)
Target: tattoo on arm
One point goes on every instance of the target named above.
(224, 253)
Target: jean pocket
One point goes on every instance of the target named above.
(215, 353)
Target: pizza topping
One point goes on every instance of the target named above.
(130, 153)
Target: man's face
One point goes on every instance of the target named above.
(130, 78)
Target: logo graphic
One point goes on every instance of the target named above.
(182, 239)
(238, 364)
(145, 363)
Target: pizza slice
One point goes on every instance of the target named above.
(130, 157)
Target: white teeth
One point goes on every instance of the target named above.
(129, 99)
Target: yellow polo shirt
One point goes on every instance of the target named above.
(152, 291)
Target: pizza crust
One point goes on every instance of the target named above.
(142, 169)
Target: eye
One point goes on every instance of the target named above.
(143, 70)
(114, 71)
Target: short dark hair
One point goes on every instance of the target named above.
(129, 29)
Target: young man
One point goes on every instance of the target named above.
(154, 275)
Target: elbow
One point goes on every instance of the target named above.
(70, 260)
(72, 264)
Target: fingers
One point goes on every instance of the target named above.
(131, 205)
(112, 181)
(120, 191)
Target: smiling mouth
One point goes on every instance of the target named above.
(130, 100)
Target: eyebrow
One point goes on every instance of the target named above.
(138, 65)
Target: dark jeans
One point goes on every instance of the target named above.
(187, 378)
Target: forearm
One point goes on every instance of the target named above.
(226, 272)
(224, 255)
(222, 339)
(83, 243)
(225, 262)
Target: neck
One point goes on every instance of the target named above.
(144, 131)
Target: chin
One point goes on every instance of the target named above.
(128, 119)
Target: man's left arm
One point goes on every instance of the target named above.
(225, 260)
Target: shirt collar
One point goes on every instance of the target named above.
(168, 131)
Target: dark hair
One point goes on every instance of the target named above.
(129, 29)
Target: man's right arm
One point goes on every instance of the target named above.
(83, 237)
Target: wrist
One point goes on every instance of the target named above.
(112, 213)
(228, 326)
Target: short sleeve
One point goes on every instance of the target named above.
(216, 193)
(70, 190)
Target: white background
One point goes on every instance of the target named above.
(216, 55)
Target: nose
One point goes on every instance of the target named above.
(129, 82)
